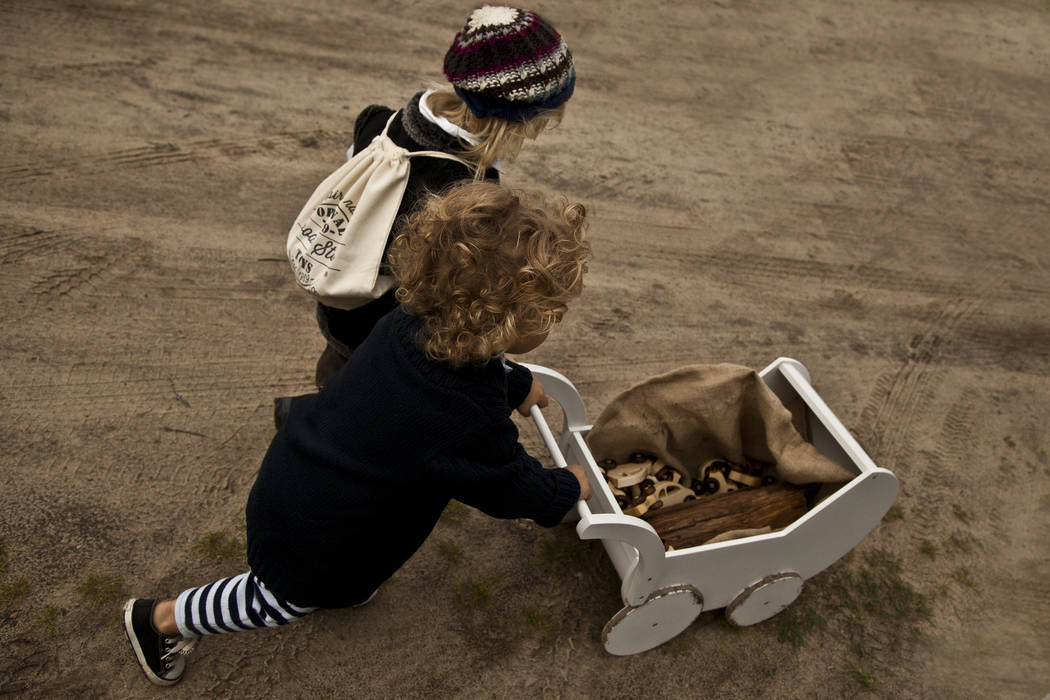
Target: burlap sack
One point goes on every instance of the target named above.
(702, 412)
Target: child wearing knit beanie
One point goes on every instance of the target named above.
(513, 73)
(510, 74)
(355, 481)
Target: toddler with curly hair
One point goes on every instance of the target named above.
(420, 415)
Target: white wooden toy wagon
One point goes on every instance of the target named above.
(752, 578)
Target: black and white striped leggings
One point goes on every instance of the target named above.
(234, 604)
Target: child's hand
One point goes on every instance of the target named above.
(536, 396)
(581, 475)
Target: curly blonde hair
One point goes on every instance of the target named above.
(500, 139)
(484, 266)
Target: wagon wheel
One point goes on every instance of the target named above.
(764, 599)
(666, 613)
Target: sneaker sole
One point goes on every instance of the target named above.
(129, 631)
(367, 600)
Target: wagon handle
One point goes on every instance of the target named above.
(559, 459)
(639, 573)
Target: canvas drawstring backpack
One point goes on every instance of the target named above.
(336, 245)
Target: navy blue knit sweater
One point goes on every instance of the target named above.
(357, 478)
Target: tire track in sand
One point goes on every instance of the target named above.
(18, 242)
(165, 154)
(755, 269)
(47, 263)
(890, 417)
(939, 482)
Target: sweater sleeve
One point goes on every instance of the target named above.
(504, 481)
(519, 383)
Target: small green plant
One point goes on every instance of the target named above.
(12, 591)
(542, 627)
(929, 548)
(961, 513)
(896, 512)
(451, 551)
(48, 619)
(474, 594)
(537, 621)
(796, 623)
(961, 543)
(677, 647)
(455, 513)
(102, 588)
(864, 678)
(3, 559)
(964, 577)
(865, 600)
(559, 553)
(217, 546)
(884, 593)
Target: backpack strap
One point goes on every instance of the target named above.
(428, 154)
(390, 121)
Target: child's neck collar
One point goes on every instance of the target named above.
(445, 125)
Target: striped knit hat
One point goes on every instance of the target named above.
(509, 63)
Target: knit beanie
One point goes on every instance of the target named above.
(509, 63)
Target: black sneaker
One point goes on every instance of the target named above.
(162, 658)
(367, 600)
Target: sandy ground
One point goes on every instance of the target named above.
(861, 186)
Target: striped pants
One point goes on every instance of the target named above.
(233, 604)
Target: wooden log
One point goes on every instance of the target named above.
(693, 523)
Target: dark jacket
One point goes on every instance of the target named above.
(357, 478)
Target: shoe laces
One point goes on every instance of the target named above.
(182, 646)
